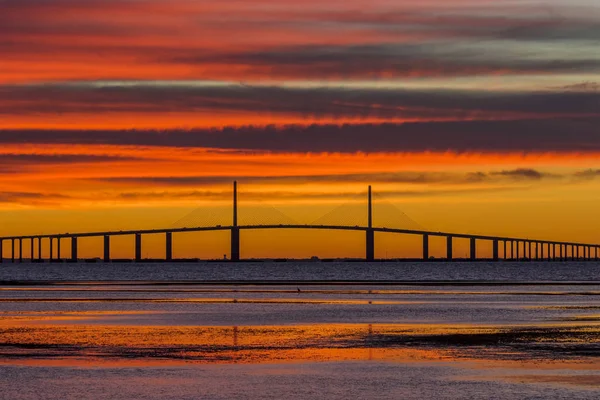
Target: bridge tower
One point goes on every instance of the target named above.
(370, 240)
(235, 230)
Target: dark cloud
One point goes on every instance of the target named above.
(550, 135)
(414, 59)
(30, 198)
(320, 102)
(274, 196)
(524, 173)
(49, 159)
(588, 174)
(393, 177)
(425, 177)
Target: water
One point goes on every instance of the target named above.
(501, 271)
(441, 330)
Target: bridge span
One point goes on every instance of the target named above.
(519, 248)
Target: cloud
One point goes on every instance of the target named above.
(588, 174)
(551, 135)
(440, 59)
(316, 102)
(31, 198)
(52, 159)
(265, 39)
(285, 195)
(524, 173)
(413, 178)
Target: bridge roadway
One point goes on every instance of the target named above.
(527, 245)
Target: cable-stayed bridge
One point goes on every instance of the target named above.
(514, 248)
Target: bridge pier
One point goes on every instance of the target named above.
(106, 248)
(59, 254)
(504, 252)
(39, 248)
(370, 244)
(518, 246)
(138, 247)
(473, 249)
(12, 251)
(449, 248)
(589, 253)
(20, 251)
(32, 250)
(425, 247)
(74, 255)
(512, 249)
(235, 244)
(1, 251)
(169, 246)
(495, 250)
(560, 252)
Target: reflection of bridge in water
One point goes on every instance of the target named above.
(513, 247)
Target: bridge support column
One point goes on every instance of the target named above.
(51, 257)
(40, 248)
(12, 251)
(473, 249)
(169, 246)
(577, 253)
(235, 244)
(495, 250)
(59, 254)
(529, 253)
(1, 251)
(596, 250)
(560, 252)
(20, 250)
(370, 245)
(518, 246)
(138, 247)
(504, 252)
(106, 248)
(32, 250)
(449, 248)
(589, 253)
(425, 247)
(74, 255)
(512, 249)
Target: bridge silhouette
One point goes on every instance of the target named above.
(520, 249)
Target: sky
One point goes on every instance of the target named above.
(473, 116)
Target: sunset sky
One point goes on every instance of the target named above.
(475, 116)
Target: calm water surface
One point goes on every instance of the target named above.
(122, 331)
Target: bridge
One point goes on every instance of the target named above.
(518, 248)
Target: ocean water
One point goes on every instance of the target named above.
(294, 270)
(305, 330)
